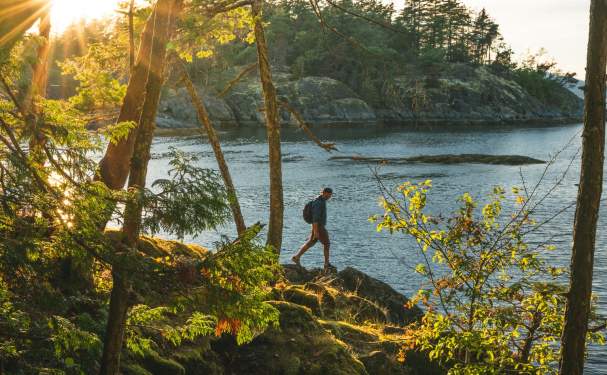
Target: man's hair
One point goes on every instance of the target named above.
(327, 190)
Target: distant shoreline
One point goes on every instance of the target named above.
(409, 125)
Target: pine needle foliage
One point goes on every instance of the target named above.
(192, 200)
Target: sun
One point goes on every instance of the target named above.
(66, 12)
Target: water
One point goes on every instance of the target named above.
(355, 242)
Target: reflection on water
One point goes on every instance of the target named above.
(354, 240)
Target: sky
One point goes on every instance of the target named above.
(64, 12)
(559, 26)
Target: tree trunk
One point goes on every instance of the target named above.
(273, 128)
(119, 303)
(38, 87)
(114, 167)
(589, 196)
(147, 124)
(116, 324)
(131, 36)
(203, 117)
(40, 76)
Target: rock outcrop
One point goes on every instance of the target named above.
(466, 94)
(320, 100)
(446, 159)
(343, 323)
(459, 94)
(176, 110)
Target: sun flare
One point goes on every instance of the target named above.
(66, 12)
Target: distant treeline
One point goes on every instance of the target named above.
(363, 43)
(366, 43)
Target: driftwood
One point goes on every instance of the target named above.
(447, 159)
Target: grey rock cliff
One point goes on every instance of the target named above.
(460, 94)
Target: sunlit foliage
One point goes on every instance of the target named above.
(493, 301)
(55, 262)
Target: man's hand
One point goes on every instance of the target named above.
(315, 230)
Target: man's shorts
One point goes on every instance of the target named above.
(323, 237)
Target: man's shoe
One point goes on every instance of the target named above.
(296, 261)
(329, 268)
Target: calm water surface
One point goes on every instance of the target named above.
(355, 242)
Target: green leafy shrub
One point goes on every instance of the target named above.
(493, 303)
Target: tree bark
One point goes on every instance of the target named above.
(131, 36)
(114, 167)
(203, 117)
(38, 87)
(273, 129)
(589, 196)
(114, 334)
(119, 302)
(40, 76)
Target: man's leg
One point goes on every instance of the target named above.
(324, 239)
(326, 250)
(311, 242)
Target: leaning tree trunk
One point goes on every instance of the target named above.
(589, 196)
(131, 36)
(273, 128)
(203, 117)
(38, 88)
(114, 167)
(119, 301)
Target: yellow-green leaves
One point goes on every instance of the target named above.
(202, 35)
(482, 297)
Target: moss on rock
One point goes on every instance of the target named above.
(344, 323)
(159, 365)
(300, 346)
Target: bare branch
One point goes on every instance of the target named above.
(248, 69)
(370, 20)
(302, 124)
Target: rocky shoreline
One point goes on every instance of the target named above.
(341, 323)
(460, 95)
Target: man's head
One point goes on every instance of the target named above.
(326, 193)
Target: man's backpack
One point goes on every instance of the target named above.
(307, 212)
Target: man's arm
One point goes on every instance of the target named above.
(316, 229)
(316, 218)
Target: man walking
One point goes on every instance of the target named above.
(319, 230)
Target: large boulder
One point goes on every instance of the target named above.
(299, 346)
(320, 101)
(359, 295)
(381, 293)
(177, 111)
